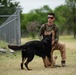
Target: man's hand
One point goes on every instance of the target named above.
(53, 42)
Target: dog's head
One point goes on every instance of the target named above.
(47, 38)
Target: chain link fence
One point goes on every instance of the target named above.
(10, 25)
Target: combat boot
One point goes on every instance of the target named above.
(63, 63)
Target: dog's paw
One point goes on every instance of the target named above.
(45, 66)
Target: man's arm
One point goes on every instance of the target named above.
(41, 32)
(56, 34)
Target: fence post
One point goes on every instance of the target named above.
(18, 27)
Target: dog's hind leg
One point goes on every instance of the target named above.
(29, 59)
(23, 59)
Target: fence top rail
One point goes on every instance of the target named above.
(8, 22)
(7, 15)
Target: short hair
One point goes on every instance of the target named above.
(51, 14)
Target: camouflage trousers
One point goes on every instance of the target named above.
(61, 47)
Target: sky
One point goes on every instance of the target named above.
(28, 5)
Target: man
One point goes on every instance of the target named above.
(56, 45)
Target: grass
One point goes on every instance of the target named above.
(10, 64)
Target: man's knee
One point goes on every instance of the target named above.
(62, 48)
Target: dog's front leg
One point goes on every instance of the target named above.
(44, 61)
(52, 62)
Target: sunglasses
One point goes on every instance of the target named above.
(51, 17)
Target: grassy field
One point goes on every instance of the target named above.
(10, 64)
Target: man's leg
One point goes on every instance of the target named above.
(61, 47)
(48, 63)
(63, 55)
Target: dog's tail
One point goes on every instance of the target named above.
(14, 47)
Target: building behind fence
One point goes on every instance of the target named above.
(10, 29)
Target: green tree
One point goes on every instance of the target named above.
(36, 15)
(71, 4)
(60, 17)
(8, 9)
(9, 3)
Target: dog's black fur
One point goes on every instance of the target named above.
(41, 48)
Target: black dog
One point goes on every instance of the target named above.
(41, 48)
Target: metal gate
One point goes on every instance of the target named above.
(10, 30)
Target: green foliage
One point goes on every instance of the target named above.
(65, 17)
(8, 9)
(60, 17)
(3, 44)
(37, 15)
(9, 3)
(71, 5)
